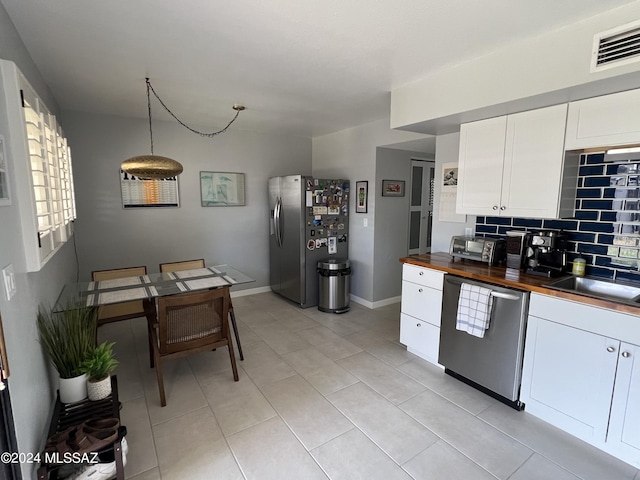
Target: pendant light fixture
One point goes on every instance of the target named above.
(155, 167)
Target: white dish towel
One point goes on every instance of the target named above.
(474, 309)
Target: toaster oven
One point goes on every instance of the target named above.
(486, 250)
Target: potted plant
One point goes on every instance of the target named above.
(68, 336)
(98, 366)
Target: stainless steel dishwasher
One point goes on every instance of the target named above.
(493, 364)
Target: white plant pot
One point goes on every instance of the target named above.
(74, 389)
(100, 389)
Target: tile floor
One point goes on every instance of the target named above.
(329, 396)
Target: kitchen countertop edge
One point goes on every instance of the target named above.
(508, 278)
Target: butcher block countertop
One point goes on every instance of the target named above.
(508, 278)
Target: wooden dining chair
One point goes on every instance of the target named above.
(189, 323)
(124, 310)
(183, 265)
(192, 265)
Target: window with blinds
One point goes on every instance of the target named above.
(51, 174)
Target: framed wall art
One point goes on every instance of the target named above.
(448, 194)
(222, 189)
(393, 188)
(362, 196)
(139, 193)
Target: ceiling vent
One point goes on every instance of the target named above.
(616, 47)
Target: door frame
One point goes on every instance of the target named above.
(426, 205)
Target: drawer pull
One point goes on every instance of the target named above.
(420, 290)
(611, 349)
(417, 324)
(421, 273)
(626, 354)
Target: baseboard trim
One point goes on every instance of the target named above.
(373, 305)
(353, 298)
(250, 291)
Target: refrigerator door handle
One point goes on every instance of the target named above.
(276, 221)
(280, 222)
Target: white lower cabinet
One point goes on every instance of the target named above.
(421, 309)
(624, 426)
(421, 338)
(569, 377)
(586, 383)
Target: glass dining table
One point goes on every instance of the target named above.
(150, 286)
(105, 292)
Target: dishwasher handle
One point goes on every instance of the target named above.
(504, 296)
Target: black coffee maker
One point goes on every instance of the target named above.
(546, 254)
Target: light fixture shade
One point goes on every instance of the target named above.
(152, 167)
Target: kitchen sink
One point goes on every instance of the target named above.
(598, 288)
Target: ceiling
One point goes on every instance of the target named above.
(304, 68)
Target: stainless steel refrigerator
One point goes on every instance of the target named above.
(308, 223)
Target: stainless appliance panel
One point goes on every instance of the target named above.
(516, 248)
(293, 225)
(274, 234)
(486, 250)
(494, 361)
(292, 261)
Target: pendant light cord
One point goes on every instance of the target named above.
(149, 108)
(202, 134)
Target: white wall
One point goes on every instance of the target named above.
(447, 149)
(30, 385)
(351, 154)
(391, 240)
(12, 48)
(109, 236)
(530, 70)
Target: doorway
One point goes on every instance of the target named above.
(8, 443)
(421, 206)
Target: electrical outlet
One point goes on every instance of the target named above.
(9, 281)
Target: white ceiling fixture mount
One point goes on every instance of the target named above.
(156, 167)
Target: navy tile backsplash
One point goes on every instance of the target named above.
(605, 230)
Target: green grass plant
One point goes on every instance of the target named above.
(100, 362)
(68, 337)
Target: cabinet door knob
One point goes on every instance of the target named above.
(503, 208)
(420, 290)
(626, 354)
(421, 273)
(611, 349)
(495, 207)
(417, 324)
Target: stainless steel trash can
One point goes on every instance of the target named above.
(333, 285)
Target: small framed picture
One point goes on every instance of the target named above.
(393, 188)
(450, 177)
(221, 189)
(362, 196)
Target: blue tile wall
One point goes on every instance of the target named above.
(605, 230)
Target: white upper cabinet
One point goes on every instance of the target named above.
(480, 166)
(604, 121)
(515, 166)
